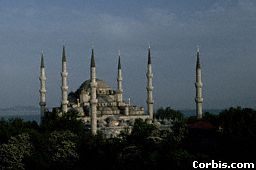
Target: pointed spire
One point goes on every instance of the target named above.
(198, 58)
(119, 61)
(92, 59)
(149, 55)
(42, 60)
(63, 55)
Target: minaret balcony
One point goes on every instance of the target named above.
(42, 103)
(150, 88)
(149, 75)
(150, 101)
(42, 91)
(199, 100)
(42, 78)
(64, 74)
(199, 84)
(64, 102)
(64, 88)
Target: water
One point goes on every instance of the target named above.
(27, 113)
(24, 117)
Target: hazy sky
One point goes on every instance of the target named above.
(224, 30)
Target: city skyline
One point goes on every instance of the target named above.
(225, 32)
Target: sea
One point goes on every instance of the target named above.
(32, 113)
(27, 113)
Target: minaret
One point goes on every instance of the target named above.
(150, 100)
(64, 87)
(42, 90)
(93, 98)
(198, 85)
(119, 83)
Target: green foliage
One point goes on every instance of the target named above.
(178, 132)
(131, 157)
(62, 149)
(141, 130)
(13, 153)
(68, 121)
(61, 142)
(168, 113)
(239, 122)
(238, 133)
(13, 127)
(212, 118)
(39, 157)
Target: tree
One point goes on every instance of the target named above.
(13, 153)
(168, 113)
(141, 131)
(14, 127)
(67, 121)
(62, 149)
(239, 122)
(239, 133)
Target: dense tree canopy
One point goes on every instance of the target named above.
(168, 113)
(14, 152)
(62, 142)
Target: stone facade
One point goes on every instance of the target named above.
(111, 113)
(107, 100)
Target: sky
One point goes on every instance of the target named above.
(225, 31)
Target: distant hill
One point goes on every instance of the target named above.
(192, 112)
(19, 110)
(28, 113)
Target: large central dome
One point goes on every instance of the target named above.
(104, 92)
(100, 85)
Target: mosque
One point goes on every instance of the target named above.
(103, 108)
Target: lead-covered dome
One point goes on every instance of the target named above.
(100, 85)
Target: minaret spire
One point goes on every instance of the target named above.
(63, 55)
(119, 83)
(198, 59)
(149, 55)
(93, 98)
(119, 61)
(92, 59)
(64, 86)
(42, 90)
(42, 60)
(198, 85)
(150, 87)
